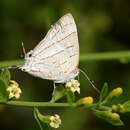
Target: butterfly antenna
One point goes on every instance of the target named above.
(91, 81)
(24, 51)
(13, 67)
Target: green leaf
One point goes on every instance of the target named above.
(3, 92)
(70, 97)
(104, 92)
(4, 82)
(58, 93)
(5, 76)
(106, 115)
(126, 107)
(42, 125)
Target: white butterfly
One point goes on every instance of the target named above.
(56, 57)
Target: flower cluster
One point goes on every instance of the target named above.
(73, 85)
(55, 121)
(14, 90)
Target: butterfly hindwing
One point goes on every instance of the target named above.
(57, 55)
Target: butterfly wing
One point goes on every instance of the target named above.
(57, 55)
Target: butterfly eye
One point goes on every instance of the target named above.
(23, 69)
(30, 55)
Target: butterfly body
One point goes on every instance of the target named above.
(56, 57)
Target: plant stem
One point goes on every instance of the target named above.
(45, 104)
(10, 63)
(37, 104)
(119, 55)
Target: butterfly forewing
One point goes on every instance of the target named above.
(59, 31)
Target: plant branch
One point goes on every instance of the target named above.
(37, 104)
(45, 104)
(10, 63)
(119, 55)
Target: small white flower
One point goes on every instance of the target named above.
(14, 90)
(73, 85)
(55, 121)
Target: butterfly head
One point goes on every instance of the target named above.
(28, 56)
(28, 62)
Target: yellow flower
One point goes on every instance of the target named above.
(14, 90)
(55, 121)
(73, 85)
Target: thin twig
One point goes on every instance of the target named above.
(119, 55)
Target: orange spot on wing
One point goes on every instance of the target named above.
(54, 62)
(63, 63)
(70, 46)
(73, 55)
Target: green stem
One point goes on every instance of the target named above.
(37, 104)
(119, 55)
(10, 63)
(45, 104)
(98, 106)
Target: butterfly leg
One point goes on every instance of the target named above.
(54, 84)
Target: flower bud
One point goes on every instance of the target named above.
(118, 108)
(116, 92)
(121, 107)
(114, 107)
(85, 101)
(115, 116)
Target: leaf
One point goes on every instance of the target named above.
(104, 92)
(126, 107)
(70, 97)
(5, 76)
(105, 115)
(3, 92)
(58, 93)
(4, 81)
(42, 125)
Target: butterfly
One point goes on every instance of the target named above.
(56, 57)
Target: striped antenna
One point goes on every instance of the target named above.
(13, 67)
(91, 81)
(24, 51)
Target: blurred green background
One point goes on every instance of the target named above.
(103, 26)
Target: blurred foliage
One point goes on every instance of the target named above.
(102, 26)
(9, 90)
